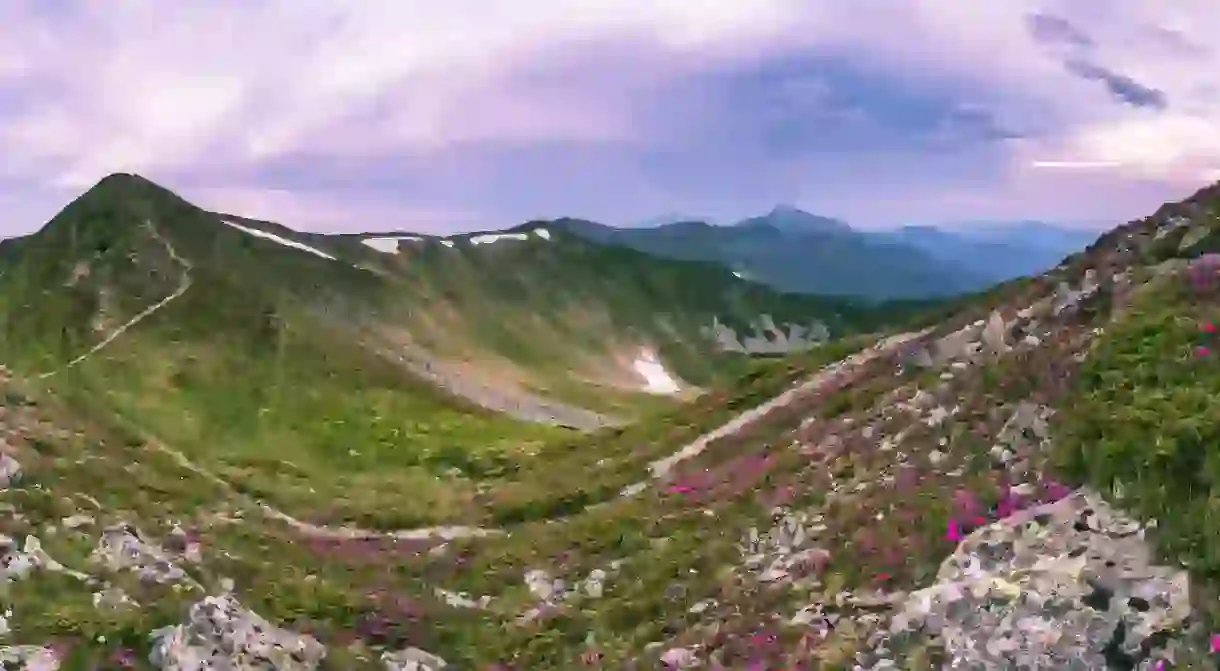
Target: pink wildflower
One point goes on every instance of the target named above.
(1207, 327)
(953, 533)
(1006, 506)
(1055, 490)
(1215, 641)
(1202, 350)
(124, 657)
(965, 503)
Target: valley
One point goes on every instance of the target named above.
(224, 440)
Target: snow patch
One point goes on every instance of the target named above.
(279, 240)
(657, 380)
(388, 245)
(496, 237)
(542, 233)
(447, 243)
(738, 275)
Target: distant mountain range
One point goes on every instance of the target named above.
(997, 251)
(797, 251)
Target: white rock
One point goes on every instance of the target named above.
(10, 471)
(412, 659)
(679, 658)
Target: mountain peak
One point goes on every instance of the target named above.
(130, 188)
(114, 202)
(791, 219)
(124, 181)
(784, 210)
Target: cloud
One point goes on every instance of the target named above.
(1075, 165)
(1120, 86)
(1055, 30)
(350, 114)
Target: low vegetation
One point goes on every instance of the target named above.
(205, 423)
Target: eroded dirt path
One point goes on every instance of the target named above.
(845, 367)
(184, 283)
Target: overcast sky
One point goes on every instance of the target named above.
(346, 115)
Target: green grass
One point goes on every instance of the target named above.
(275, 368)
(101, 462)
(264, 372)
(1144, 418)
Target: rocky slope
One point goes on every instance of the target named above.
(1024, 482)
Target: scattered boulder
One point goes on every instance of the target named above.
(679, 658)
(29, 658)
(76, 521)
(595, 584)
(16, 564)
(10, 471)
(995, 334)
(112, 598)
(122, 548)
(542, 586)
(461, 599)
(916, 355)
(783, 552)
(184, 544)
(1063, 584)
(412, 659)
(956, 345)
(221, 634)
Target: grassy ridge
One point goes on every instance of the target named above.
(275, 368)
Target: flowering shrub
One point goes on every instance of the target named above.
(1203, 274)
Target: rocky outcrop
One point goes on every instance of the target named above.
(1069, 584)
(122, 548)
(413, 659)
(220, 634)
(767, 337)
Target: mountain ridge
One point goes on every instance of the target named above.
(793, 250)
(905, 497)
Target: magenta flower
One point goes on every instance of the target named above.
(124, 657)
(953, 533)
(1007, 505)
(1054, 490)
(965, 503)
(1215, 643)
(1202, 350)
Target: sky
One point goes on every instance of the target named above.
(378, 115)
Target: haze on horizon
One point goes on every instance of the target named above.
(345, 115)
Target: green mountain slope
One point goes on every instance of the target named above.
(325, 375)
(523, 316)
(908, 502)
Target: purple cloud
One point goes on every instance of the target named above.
(347, 115)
